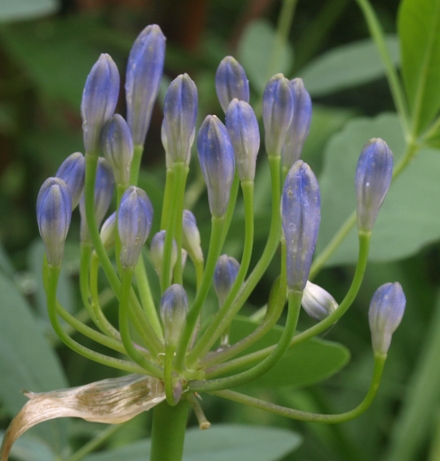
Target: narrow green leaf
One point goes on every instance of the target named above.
(17, 10)
(347, 66)
(419, 33)
(219, 443)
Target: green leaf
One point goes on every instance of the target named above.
(304, 364)
(226, 442)
(17, 10)
(347, 66)
(419, 33)
(5, 264)
(28, 448)
(255, 53)
(408, 219)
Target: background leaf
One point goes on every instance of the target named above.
(409, 218)
(16, 10)
(419, 33)
(347, 66)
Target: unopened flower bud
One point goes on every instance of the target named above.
(117, 146)
(191, 236)
(231, 82)
(373, 178)
(144, 72)
(226, 271)
(108, 231)
(99, 101)
(179, 122)
(104, 186)
(173, 311)
(72, 172)
(277, 113)
(54, 212)
(301, 215)
(317, 302)
(216, 157)
(244, 133)
(135, 217)
(300, 125)
(157, 250)
(386, 311)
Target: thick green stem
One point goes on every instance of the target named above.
(136, 164)
(168, 432)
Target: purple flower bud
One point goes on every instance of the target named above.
(144, 72)
(386, 311)
(135, 217)
(317, 302)
(300, 125)
(173, 311)
(226, 271)
(72, 172)
(179, 123)
(216, 157)
(191, 236)
(231, 82)
(104, 186)
(244, 133)
(277, 112)
(117, 146)
(301, 215)
(99, 101)
(108, 231)
(373, 178)
(157, 249)
(54, 211)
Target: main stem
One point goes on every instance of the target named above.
(168, 433)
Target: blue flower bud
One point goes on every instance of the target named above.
(277, 112)
(117, 146)
(173, 311)
(144, 72)
(317, 302)
(191, 236)
(216, 157)
(226, 271)
(104, 186)
(99, 100)
(244, 133)
(72, 172)
(386, 311)
(157, 249)
(108, 231)
(301, 215)
(135, 217)
(54, 212)
(300, 125)
(179, 123)
(373, 178)
(231, 82)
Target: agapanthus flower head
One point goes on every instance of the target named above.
(231, 82)
(173, 311)
(373, 178)
(191, 235)
(144, 72)
(216, 157)
(54, 212)
(244, 133)
(301, 216)
(135, 217)
(277, 113)
(72, 172)
(99, 100)
(385, 314)
(157, 251)
(300, 125)
(179, 122)
(317, 302)
(117, 146)
(104, 187)
(226, 271)
(108, 231)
